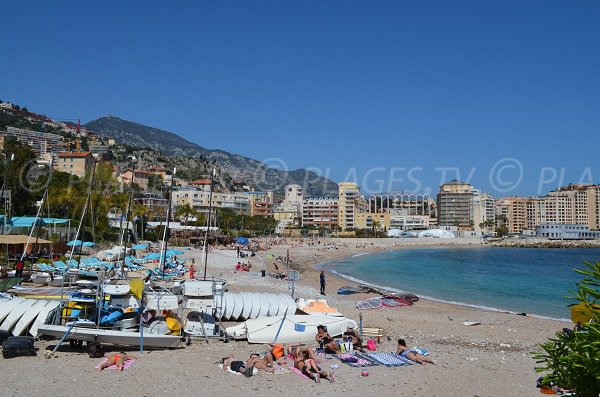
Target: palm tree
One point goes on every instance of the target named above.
(185, 211)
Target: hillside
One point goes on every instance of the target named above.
(240, 168)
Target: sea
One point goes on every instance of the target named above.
(521, 280)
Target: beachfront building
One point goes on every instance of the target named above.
(320, 212)
(560, 231)
(517, 213)
(262, 203)
(455, 205)
(43, 144)
(154, 203)
(484, 211)
(407, 211)
(350, 204)
(288, 213)
(75, 163)
(199, 200)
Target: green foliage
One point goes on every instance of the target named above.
(573, 360)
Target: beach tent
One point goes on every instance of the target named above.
(394, 233)
(241, 241)
(437, 233)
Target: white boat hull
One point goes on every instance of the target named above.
(28, 318)
(123, 338)
(295, 328)
(15, 314)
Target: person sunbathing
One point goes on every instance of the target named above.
(265, 363)
(411, 354)
(297, 348)
(326, 341)
(230, 362)
(117, 359)
(309, 367)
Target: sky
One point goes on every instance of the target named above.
(393, 95)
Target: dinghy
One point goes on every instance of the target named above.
(41, 318)
(6, 306)
(28, 318)
(317, 307)
(200, 324)
(40, 278)
(15, 314)
(291, 329)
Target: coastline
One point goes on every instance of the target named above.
(491, 359)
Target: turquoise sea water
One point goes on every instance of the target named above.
(534, 281)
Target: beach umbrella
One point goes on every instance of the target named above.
(75, 242)
(89, 244)
(582, 314)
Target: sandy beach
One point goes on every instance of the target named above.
(491, 359)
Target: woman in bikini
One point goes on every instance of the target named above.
(411, 354)
(326, 341)
(117, 359)
(309, 367)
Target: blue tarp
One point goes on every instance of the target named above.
(29, 221)
(241, 240)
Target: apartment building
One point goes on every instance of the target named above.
(320, 212)
(455, 205)
(75, 163)
(140, 178)
(43, 144)
(200, 200)
(516, 211)
(407, 211)
(350, 204)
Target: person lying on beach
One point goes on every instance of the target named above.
(309, 367)
(230, 362)
(412, 354)
(117, 359)
(326, 341)
(265, 363)
(297, 349)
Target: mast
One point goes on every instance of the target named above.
(164, 244)
(212, 182)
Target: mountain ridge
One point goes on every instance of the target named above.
(241, 168)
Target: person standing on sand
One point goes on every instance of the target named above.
(322, 280)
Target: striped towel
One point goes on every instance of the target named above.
(400, 357)
(361, 362)
(368, 359)
(388, 359)
(297, 372)
(397, 360)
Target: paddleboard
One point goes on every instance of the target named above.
(347, 290)
(272, 307)
(256, 305)
(15, 315)
(28, 318)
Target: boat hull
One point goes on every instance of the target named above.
(122, 338)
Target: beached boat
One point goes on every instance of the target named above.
(42, 316)
(6, 306)
(22, 326)
(15, 314)
(317, 307)
(249, 305)
(288, 329)
(115, 337)
(40, 278)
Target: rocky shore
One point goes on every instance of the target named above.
(544, 243)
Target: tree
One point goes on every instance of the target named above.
(573, 359)
(185, 211)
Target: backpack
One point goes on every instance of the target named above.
(96, 350)
(371, 345)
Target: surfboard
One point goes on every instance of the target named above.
(273, 307)
(284, 304)
(116, 289)
(28, 318)
(256, 307)
(15, 315)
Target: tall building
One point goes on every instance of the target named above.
(289, 211)
(455, 205)
(350, 204)
(484, 210)
(320, 212)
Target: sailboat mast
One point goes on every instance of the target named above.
(163, 248)
(212, 182)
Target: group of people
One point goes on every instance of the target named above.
(243, 267)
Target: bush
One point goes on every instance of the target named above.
(573, 359)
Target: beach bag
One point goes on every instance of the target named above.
(346, 347)
(96, 350)
(4, 335)
(17, 346)
(371, 345)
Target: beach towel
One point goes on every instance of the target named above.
(126, 364)
(401, 357)
(354, 361)
(297, 372)
(389, 360)
(367, 359)
(254, 370)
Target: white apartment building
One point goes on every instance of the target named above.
(320, 212)
(199, 200)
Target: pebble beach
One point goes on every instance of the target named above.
(490, 359)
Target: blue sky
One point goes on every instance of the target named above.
(386, 93)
